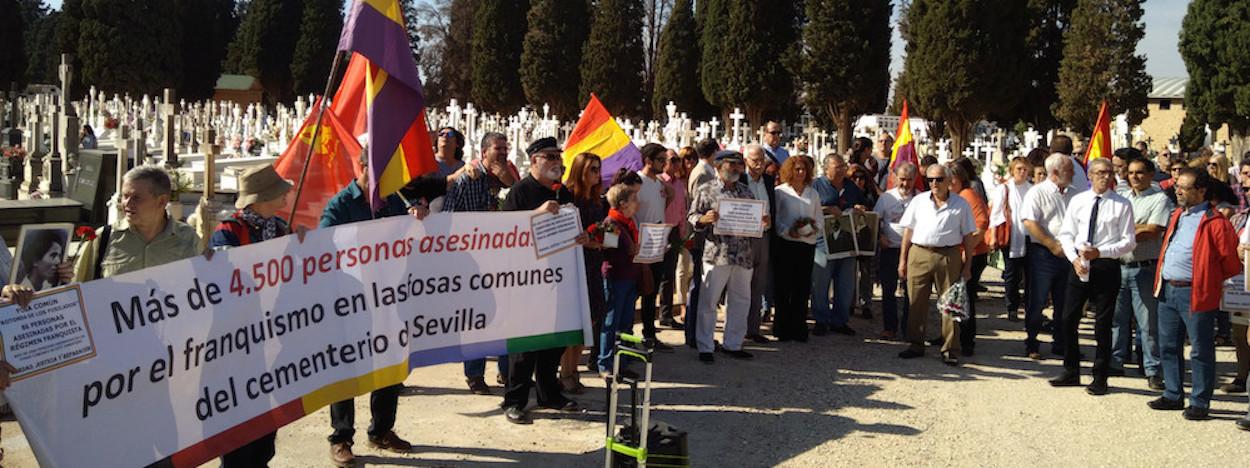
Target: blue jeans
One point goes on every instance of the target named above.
(887, 275)
(1176, 323)
(1136, 301)
(621, 296)
(1047, 278)
(841, 273)
(692, 299)
(477, 367)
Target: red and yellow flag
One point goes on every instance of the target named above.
(332, 166)
(904, 150)
(1100, 141)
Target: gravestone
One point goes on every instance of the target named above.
(96, 182)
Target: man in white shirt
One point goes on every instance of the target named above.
(890, 207)
(1063, 144)
(935, 226)
(1041, 212)
(761, 185)
(1097, 229)
(1005, 209)
(652, 198)
(772, 143)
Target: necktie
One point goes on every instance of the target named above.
(1093, 220)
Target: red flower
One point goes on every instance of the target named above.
(555, 187)
(84, 233)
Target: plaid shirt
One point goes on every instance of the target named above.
(721, 250)
(469, 194)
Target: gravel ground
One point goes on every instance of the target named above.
(835, 401)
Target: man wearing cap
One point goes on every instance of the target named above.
(537, 369)
(351, 205)
(262, 193)
(726, 260)
(146, 237)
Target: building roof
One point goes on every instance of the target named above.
(236, 82)
(1168, 88)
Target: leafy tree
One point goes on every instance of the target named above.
(713, 22)
(130, 47)
(13, 54)
(1049, 21)
(498, 32)
(456, 61)
(207, 27)
(552, 54)
(965, 60)
(315, 49)
(1215, 44)
(612, 61)
(1100, 63)
(845, 63)
(1192, 134)
(761, 42)
(677, 65)
(265, 45)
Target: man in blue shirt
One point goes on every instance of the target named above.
(836, 195)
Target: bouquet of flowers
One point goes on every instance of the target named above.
(14, 153)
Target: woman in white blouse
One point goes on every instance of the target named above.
(798, 226)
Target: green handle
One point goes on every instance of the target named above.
(628, 338)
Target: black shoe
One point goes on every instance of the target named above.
(1236, 386)
(569, 406)
(949, 359)
(761, 339)
(1194, 413)
(1113, 372)
(516, 415)
(478, 386)
(1013, 317)
(707, 358)
(1097, 387)
(1244, 423)
(1164, 404)
(1155, 382)
(739, 354)
(1066, 379)
(672, 323)
(820, 329)
(843, 330)
(936, 341)
(910, 354)
(658, 345)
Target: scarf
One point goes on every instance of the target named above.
(268, 227)
(623, 220)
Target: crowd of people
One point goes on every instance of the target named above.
(1144, 245)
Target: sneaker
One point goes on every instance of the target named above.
(390, 442)
(477, 385)
(341, 454)
(707, 358)
(739, 354)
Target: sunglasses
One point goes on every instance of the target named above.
(1212, 165)
(774, 133)
(934, 180)
(691, 158)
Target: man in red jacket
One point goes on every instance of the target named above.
(1199, 253)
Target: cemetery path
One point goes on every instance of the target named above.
(835, 401)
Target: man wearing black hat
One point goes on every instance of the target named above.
(537, 369)
(727, 260)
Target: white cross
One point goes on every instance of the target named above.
(737, 118)
(672, 110)
(714, 124)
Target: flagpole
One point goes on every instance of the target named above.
(321, 108)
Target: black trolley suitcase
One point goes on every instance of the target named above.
(662, 445)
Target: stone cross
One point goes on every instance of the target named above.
(1031, 138)
(714, 124)
(52, 184)
(671, 108)
(737, 117)
(168, 140)
(469, 116)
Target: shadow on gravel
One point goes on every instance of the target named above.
(483, 457)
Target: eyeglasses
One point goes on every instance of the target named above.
(934, 180)
(1101, 172)
(778, 132)
(1213, 165)
(446, 134)
(691, 158)
(1176, 169)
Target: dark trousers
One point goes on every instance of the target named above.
(792, 277)
(534, 369)
(256, 454)
(662, 273)
(1102, 289)
(667, 283)
(692, 299)
(968, 327)
(383, 404)
(1048, 278)
(887, 275)
(1014, 273)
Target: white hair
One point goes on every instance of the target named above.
(754, 148)
(1100, 162)
(1056, 161)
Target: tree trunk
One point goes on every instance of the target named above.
(842, 118)
(958, 128)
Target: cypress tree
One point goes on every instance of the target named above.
(1213, 43)
(965, 60)
(845, 67)
(207, 27)
(315, 49)
(130, 47)
(456, 67)
(552, 53)
(41, 52)
(713, 27)
(1100, 63)
(13, 54)
(265, 44)
(1048, 23)
(498, 32)
(761, 38)
(677, 67)
(612, 61)
(1192, 134)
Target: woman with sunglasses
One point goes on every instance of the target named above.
(449, 151)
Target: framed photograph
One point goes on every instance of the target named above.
(40, 248)
(840, 236)
(867, 226)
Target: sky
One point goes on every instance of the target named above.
(1163, 24)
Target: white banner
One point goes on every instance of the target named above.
(195, 357)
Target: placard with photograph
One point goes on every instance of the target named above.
(867, 226)
(840, 236)
(40, 248)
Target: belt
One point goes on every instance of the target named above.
(1140, 263)
(934, 248)
(1179, 284)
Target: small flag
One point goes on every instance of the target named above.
(597, 132)
(905, 150)
(399, 139)
(332, 166)
(1100, 141)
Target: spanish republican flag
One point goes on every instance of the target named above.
(1100, 141)
(332, 166)
(904, 150)
(399, 141)
(598, 133)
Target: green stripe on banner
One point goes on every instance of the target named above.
(550, 340)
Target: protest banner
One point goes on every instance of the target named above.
(196, 357)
